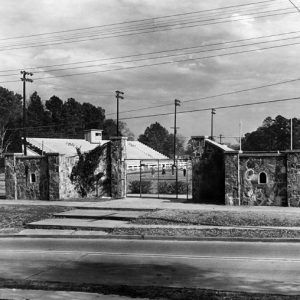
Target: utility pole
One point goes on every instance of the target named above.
(176, 103)
(291, 133)
(24, 79)
(118, 96)
(220, 137)
(213, 112)
(240, 135)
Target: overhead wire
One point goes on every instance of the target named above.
(190, 19)
(158, 63)
(212, 96)
(170, 113)
(151, 30)
(166, 56)
(210, 108)
(134, 21)
(163, 51)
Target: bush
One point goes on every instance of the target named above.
(170, 187)
(134, 186)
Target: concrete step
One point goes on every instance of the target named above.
(61, 232)
(71, 223)
(100, 214)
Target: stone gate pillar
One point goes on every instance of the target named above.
(198, 143)
(118, 167)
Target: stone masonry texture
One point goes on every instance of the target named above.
(48, 177)
(273, 191)
(293, 178)
(246, 178)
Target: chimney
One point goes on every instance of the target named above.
(94, 136)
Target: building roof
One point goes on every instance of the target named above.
(135, 149)
(138, 150)
(220, 146)
(62, 146)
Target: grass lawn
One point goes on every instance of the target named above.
(220, 218)
(14, 217)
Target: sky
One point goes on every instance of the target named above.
(100, 46)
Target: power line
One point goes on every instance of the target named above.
(294, 5)
(171, 113)
(170, 55)
(159, 63)
(151, 30)
(167, 56)
(151, 53)
(214, 96)
(210, 108)
(160, 23)
(134, 21)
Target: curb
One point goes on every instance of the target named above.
(148, 291)
(117, 208)
(158, 238)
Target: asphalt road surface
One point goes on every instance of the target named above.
(233, 266)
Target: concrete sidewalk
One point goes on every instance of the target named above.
(151, 204)
(113, 218)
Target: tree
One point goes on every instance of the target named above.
(110, 129)
(93, 117)
(158, 138)
(10, 114)
(54, 107)
(36, 116)
(73, 119)
(273, 135)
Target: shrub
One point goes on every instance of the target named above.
(134, 186)
(84, 174)
(170, 187)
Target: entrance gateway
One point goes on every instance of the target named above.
(157, 178)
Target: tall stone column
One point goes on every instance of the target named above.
(118, 167)
(232, 189)
(53, 176)
(293, 178)
(198, 144)
(10, 177)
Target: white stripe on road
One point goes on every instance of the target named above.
(149, 255)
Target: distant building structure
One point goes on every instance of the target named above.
(224, 176)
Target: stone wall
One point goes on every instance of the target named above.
(293, 178)
(66, 187)
(271, 167)
(68, 190)
(26, 177)
(48, 177)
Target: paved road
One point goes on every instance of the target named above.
(17, 294)
(235, 266)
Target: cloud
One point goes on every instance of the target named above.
(160, 84)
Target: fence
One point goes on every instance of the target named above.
(159, 178)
